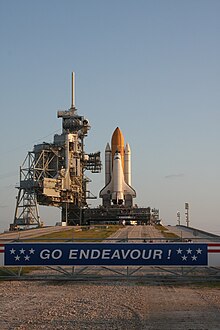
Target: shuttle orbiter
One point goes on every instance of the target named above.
(117, 190)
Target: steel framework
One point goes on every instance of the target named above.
(26, 211)
(53, 174)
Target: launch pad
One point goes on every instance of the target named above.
(53, 174)
(118, 215)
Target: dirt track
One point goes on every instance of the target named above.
(120, 305)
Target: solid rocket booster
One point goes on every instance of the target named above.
(127, 164)
(108, 164)
(117, 188)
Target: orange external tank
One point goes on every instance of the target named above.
(117, 144)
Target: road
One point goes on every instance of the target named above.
(135, 233)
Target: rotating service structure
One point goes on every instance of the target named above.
(53, 174)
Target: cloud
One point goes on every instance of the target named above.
(173, 176)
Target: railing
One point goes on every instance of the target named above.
(139, 259)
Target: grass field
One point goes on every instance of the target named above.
(165, 232)
(82, 234)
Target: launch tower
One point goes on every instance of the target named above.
(53, 174)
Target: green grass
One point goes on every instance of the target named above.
(165, 232)
(160, 227)
(82, 234)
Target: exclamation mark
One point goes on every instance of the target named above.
(169, 254)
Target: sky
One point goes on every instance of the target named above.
(150, 67)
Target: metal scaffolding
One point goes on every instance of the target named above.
(53, 174)
(26, 211)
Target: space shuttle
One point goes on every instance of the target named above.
(117, 190)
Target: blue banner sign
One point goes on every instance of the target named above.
(105, 254)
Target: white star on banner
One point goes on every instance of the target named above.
(184, 258)
(12, 251)
(179, 251)
(17, 258)
(194, 258)
(199, 251)
(22, 251)
(31, 251)
(189, 251)
(27, 258)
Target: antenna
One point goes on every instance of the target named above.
(73, 91)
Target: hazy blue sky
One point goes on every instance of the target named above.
(150, 67)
